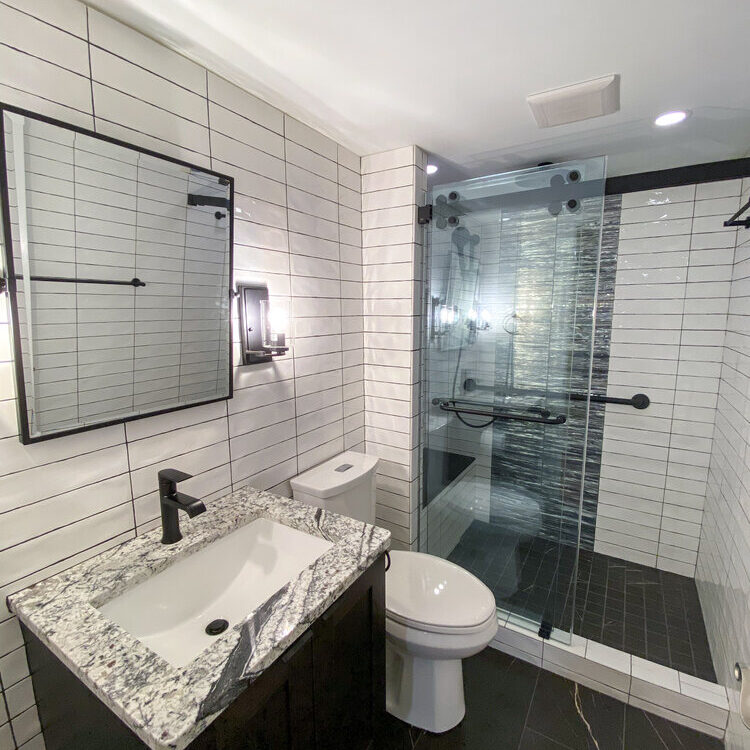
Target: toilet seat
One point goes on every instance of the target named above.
(440, 629)
(434, 595)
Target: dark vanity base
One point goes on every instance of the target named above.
(327, 691)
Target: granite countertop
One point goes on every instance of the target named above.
(166, 706)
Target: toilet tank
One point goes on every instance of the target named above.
(344, 484)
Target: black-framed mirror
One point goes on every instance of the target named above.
(118, 266)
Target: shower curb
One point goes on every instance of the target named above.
(676, 696)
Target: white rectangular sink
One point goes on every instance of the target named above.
(225, 580)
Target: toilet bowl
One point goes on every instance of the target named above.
(437, 613)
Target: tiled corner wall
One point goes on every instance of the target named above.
(723, 571)
(297, 228)
(674, 267)
(393, 185)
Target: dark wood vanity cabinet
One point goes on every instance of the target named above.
(326, 692)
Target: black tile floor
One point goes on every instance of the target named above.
(645, 612)
(512, 705)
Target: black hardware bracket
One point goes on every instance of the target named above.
(424, 214)
(194, 199)
(545, 629)
(735, 221)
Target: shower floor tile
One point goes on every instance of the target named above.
(643, 611)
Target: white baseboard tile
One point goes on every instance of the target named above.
(519, 638)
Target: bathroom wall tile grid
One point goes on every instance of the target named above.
(393, 185)
(673, 695)
(448, 357)
(674, 271)
(297, 228)
(723, 571)
(102, 351)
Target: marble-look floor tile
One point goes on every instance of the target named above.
(645, 730)
(498, 691)
(575, 716)
(512, 705)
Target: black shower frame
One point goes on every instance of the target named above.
(9, 272)
(714, 171)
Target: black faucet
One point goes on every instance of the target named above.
(171, 501)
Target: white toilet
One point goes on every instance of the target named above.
(437, 613)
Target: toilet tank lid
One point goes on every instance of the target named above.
(336, 475)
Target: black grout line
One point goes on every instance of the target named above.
(91, 72)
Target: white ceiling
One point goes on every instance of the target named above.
(453, 76)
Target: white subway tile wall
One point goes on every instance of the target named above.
(723, 570)
(674, 271)
(298, 229)
(393, 185)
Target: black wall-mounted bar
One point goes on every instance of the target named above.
(62, 279)
(639, 401)
(735, 221)
(207, 200)
(451, 406)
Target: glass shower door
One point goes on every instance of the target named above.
(511, 270)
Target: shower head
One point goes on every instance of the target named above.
(461, 237)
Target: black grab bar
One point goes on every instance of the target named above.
(639, 401)
(70, 280)
(543, 418)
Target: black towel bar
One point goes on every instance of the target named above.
(132, 282)
(639, 401)
(451, 406)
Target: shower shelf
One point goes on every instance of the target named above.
(542, 418)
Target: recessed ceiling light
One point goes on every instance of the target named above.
(431, 168)
(670, 118)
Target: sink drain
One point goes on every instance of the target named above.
(216, 626)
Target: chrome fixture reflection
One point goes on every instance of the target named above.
(674, 117)
(444, 317)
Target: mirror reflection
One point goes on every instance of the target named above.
(118, 265)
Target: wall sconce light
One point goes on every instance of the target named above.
(444, 317)
(263, 325)
(478, 319)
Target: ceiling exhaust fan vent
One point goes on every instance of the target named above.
(579, 101)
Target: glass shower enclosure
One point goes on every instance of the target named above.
(511, 280)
